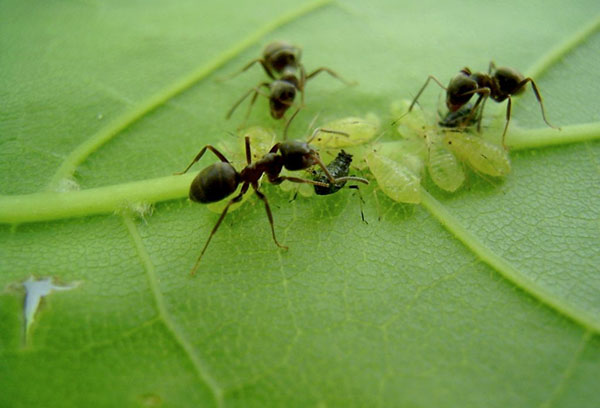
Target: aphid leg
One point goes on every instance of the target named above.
(201, 153)
(492, 67)
(361, 201)
(234, 200)
(245, 68)
(256, 91)
(539, 99)
(269, 215)
(377, 204)
(330, 72)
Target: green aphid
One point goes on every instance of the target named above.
(354, 131)
(444, 168)
(483, 156)
(395, 178)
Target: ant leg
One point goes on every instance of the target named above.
(234, 200)
(201, 153)
(330, 72)
(279, 179)
(508, 109)
(538, 97)
(246, 67)
(333, 180)
(483, 93)
(256, 91)
(422, 89)
(351, 178)
(269, 215)
(248, 150)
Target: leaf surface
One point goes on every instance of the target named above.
(485, 297)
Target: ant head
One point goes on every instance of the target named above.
(297, 155)
(280, 54)
(509, 81)
(460, 90)
(281, 98)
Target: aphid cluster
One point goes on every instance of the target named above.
(443, 147)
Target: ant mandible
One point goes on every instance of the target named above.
(499, 84)
(281, 62)
(221, 179)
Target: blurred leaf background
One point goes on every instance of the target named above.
(396, 312)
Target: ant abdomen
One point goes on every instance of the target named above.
(214, 183)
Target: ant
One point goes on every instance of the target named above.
(281, 62)
(221, 179)
(499, 84)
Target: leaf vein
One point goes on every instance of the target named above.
(179, 337)
(122, 122)
(507, 270)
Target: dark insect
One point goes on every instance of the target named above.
(460, 118)
(221, 179)
(499, 84)
(339, 167)
(277, 57)
(281, 62)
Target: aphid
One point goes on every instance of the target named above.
(443, 167)
(483, 156)
(395, 178)
(338, 167)
(353, 131)
(498, 84)
(221, 179)
(426, 141)
(281, 62)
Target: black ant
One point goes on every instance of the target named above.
(221, 179)
(498, 84)
(281, 62)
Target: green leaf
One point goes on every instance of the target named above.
(485, 297)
